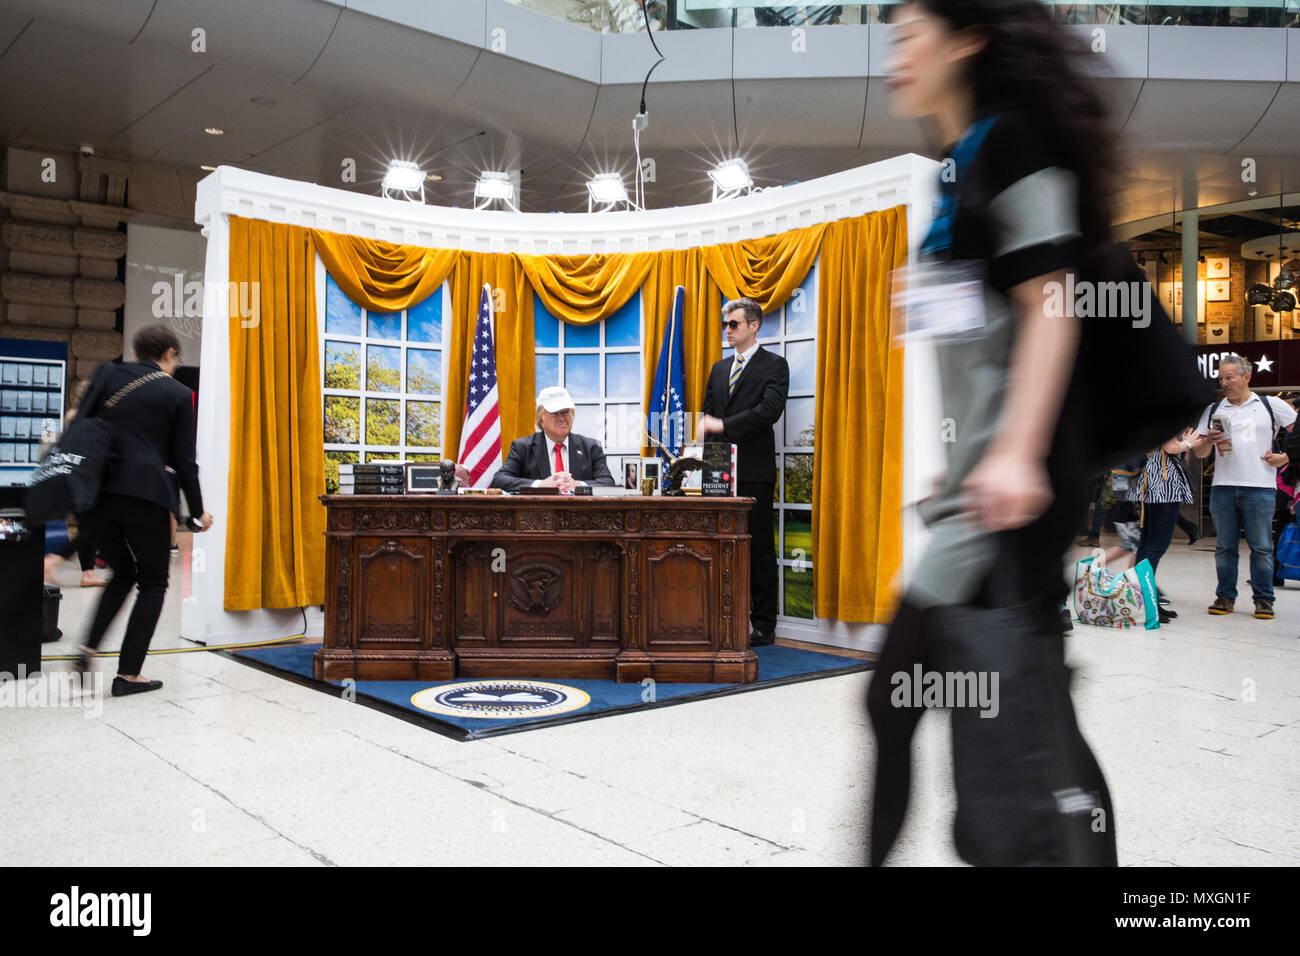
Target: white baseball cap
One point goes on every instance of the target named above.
(555, 399)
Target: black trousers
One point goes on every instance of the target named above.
(134, 537)
(763, 582)
(1030, 563)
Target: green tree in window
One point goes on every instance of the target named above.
(381, 377)
(799, 472)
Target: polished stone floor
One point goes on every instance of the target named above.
(1197, 726)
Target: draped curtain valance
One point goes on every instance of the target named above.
(278, 457)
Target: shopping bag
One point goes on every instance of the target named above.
(1287, 565)
(1106, 598)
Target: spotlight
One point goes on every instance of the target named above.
(214, 131)
(494, 185)
(403, 181)
(730, 178)
(606, 190)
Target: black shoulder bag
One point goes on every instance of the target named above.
(69, 476)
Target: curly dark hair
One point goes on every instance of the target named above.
(1035, 65)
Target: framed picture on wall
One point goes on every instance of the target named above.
(1216, 268)
(1217, 332)
(1218, 290)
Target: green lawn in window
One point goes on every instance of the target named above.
(798, 534)
(798, 592)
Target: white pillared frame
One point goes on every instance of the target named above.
(907, 180)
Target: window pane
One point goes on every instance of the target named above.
(342, 420)
(424, 321)
(332, 460)
(624, 326)
(799, 421)
(802, 357)
(771, 327)
(384, 325)
(582, 336)
(624, 426)
(423, 371)
(798, 592)
(343, 365)
(383, 368)
(588, 421)
(382, 415)
(548, 371)
(622, 375)
(342, 315)
(383, 456)
(546, 327)
(423, 424)
(801, 308)
(798, 479)
(798, 536)
(582, 375)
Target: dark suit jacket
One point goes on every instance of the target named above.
(526, 462)
(750, 413)
(153, 429)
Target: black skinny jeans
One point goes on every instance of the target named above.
(134, 536)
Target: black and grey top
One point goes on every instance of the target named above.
(1162, 481)
(1013, 208)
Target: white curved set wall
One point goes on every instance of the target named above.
(904, 180)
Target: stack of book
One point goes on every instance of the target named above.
(376, 478)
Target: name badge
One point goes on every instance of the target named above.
(939, 300)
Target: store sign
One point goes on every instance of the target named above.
(1276, 364)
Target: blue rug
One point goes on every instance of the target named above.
(510, 706)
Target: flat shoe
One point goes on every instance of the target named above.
(121, 687)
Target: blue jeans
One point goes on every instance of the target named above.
(1234, 508)
(1157, 533)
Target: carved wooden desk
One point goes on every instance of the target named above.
(432, 587)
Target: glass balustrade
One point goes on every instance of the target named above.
(631, 16)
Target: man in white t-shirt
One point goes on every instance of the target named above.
(1240, 433)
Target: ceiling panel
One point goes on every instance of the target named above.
(221, 98)
(381, 62)
(89, 87)
(526, 100)
(696, 116)
(281, 36)
(1200, 116)
(825, 113)
(120, 19)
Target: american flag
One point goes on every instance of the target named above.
(480, 437)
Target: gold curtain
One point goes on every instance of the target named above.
(515, 344)
(702, 345)
(383, 276)
(858, 463)
(275, 544)
(766, 270)
(585, 289)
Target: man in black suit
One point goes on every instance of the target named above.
(555, 456)
(744, 398)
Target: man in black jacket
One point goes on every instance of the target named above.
(555, 456)
(153, 422)
(743, 399)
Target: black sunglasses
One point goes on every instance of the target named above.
(731, 324)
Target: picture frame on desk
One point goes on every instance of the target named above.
(631, 473)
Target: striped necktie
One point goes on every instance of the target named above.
(735, 374)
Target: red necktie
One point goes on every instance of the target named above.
(559, 461)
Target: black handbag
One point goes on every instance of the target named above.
(68, 477)
(1029, 792)
(1164, 390)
